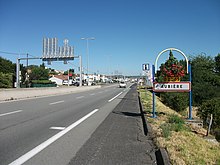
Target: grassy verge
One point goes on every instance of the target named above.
(183, 145)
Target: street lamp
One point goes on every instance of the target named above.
(87, 50)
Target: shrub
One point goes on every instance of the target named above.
(177, 101)
(211, 107)
(174, 119)
(6, 80)
(42, 82)
(166, 130)
(175, 123)
(208, 107)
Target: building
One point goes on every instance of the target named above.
(59, 79)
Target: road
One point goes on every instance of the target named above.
(50, 130)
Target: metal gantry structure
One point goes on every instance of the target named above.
(38, 58)
(51, 52)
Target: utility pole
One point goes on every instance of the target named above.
(80, 74)
(87, 50)
(18, 73)
(27, 59)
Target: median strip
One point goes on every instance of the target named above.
(45, 144)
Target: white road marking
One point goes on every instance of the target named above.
(80, 97)
(92, 94)
(43, 145)
(115, 97)
(58, 128)
(57, 102)
(9, 113)
(101, 92)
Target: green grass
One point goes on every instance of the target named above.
(183, 146)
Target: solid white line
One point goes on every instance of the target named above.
(58, 128)
(4, 114)
(57, 102)
(43, 145)
(115, 97)
(80, 97)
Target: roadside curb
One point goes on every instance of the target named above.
(161, 154)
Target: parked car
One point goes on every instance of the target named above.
(65, 82)
(122, 84)
(76, 83)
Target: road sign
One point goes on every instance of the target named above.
(172, 87)
(146, 67)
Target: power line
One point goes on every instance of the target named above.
(17, 53)
(11, 53)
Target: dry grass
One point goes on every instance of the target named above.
(183, 147)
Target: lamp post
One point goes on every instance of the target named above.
(87, 50)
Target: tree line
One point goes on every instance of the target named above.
(29, 74)
(205, 90)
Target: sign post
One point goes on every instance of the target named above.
(154, 100)
(146, 69)
(190, 93)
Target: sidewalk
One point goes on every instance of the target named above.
(119, 139)
(22, 93)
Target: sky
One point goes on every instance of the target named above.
(128, 33)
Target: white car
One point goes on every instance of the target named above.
(66, 82)
(122, 84)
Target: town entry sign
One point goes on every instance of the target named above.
(170, 78)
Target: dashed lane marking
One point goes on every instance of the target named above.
(115, 97)
(80, 97)
(58, 128)
(57, 102)
(9, 113)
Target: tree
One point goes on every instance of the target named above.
(6, 80)
(7, 73)
(208, 107)
(38, 73)
(217, 64)
(177, 101)
(6, 66)
(171, 68)
(205, 82)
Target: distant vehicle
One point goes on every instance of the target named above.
(76, 83)
(66, 82)
(122, 84)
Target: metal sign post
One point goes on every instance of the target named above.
(190, 92)
(154, 100)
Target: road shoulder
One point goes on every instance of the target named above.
(120, 138)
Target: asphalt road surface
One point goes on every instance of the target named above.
(50, 130)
